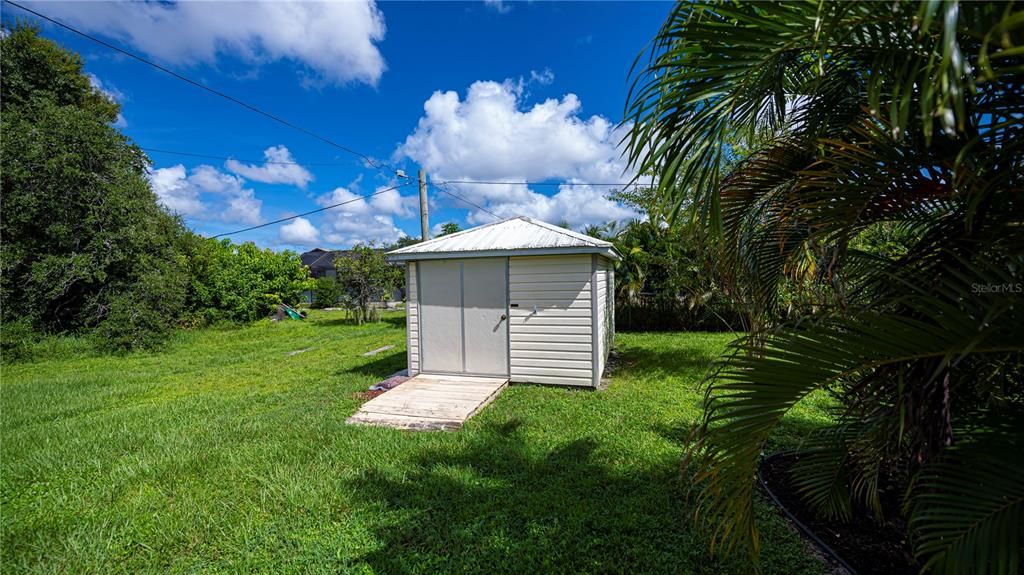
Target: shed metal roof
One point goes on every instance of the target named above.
(519, 236)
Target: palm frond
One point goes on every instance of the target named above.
(763, 377)
(787, 131)
(967, 511)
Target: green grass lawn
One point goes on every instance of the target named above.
(224, 453)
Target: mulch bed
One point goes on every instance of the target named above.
(379, 388)
(366, 395)
(866, 545)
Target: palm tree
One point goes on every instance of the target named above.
(605, 231)
(849, 116)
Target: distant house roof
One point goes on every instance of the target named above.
(317, 259)
(517, 236)
(320, 261)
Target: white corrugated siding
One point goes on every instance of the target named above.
(605, 310)
(553, 344)
(609, 334)
(412, 321)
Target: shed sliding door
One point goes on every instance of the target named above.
(440, 316)
(463, 305)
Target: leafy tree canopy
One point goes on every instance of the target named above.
(449, 228)
(240, 282)
(403, 242)
(84, 244)
(366, 277)
(84, 241)
(38, 71)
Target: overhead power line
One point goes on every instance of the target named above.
(225, 158)
(323, 209)
(442, 187)
(325, 164)
(492, 183)
(373, 163)
(369, 160)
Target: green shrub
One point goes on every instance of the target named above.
(326, 292)
(240, 282)
(16, 340)
(142, 317)
(130, 326)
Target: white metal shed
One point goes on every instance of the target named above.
(519, 298)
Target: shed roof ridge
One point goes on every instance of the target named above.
(527, 236)
(567, 232)
(456, 234)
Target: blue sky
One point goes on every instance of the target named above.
(468, 90)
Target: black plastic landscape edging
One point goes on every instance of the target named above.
(824, 547)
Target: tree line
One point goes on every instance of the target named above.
(85, 247)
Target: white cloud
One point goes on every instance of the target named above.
(362, 221)
(392, 202)
(280, 168)
(174, 191)
(206, 193)
(115, 95)
(109, 90)
(499, 6)
(543, 78)
(491, 135)
(336, 41)
(577, 205)
(243, 208)
(299, 232)
(209, 179)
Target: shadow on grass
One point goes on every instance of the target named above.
(382, 366)
(390, 320)
(791, 431)
(679, 433)
(396, 321)
(334, 322)
(669, 362)
(494, 504)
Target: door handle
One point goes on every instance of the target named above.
(503, 318)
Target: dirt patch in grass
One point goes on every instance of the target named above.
(379, 388)
(867, 545)
(366, 395)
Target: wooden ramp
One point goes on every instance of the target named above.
(430, 402)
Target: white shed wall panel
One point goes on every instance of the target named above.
(441, 335)
(413, 318)
(599, 317)
(605, 310)
(551, 330)
(609, 320)
(484, 305)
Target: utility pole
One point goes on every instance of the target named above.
(424, 220)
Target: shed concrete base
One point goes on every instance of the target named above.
(430, 402)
